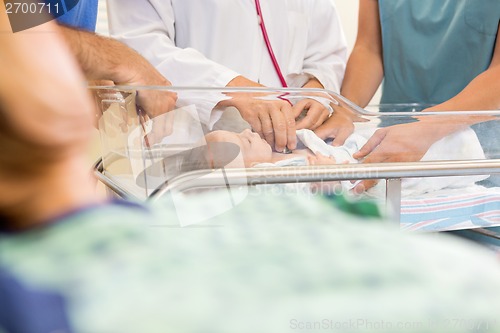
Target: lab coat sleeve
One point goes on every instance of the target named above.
(148, 27)
(326, 53)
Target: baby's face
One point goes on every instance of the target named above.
(253, 148)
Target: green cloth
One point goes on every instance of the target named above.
(273, 263)
(434, 48)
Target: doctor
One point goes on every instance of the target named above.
(442, 52)
(221, 43)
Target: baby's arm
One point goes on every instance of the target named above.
(320, 159)
(326, 187)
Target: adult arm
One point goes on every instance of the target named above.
(365, 69)
(409, 142)
(363, 75)
(103, 58)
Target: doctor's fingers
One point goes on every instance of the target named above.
(314, 113)
(284, 129)
(291, 126)
(266, 128)
(256, 118)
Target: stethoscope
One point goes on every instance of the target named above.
(268, 44)
(273, 57)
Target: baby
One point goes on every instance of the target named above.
(462, 145)
(257, 152)
(224, 149)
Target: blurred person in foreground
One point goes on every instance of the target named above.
(73, 262)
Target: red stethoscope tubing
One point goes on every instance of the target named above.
(268, 45)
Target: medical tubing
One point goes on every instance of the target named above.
(268, 44)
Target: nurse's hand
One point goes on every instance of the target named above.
(310, 114)
(339, 126)
(398, 143)
(273, 120)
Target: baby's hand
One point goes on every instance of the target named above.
(320, 159)
(325, 187)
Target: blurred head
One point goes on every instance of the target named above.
(253, 148)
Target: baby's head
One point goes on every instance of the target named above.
(253, 149)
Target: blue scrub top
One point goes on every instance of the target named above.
(434, 48)
(80, 14)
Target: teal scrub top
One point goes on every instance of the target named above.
(434, 48)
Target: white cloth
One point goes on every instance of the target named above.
(463, 145)
(210, 42)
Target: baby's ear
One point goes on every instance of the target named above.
(222, 153)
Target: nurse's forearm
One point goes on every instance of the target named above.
(363, 76)
(103, 58)
(483, 93)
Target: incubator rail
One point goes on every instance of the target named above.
(142, 174)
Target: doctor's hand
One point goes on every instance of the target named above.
(273, 120)
(310, 114)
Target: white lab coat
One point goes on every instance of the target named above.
(217, 40)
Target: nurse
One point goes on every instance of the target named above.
(222, 43)
(440, 52)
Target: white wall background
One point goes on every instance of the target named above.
(102, 19)
(348, 11)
